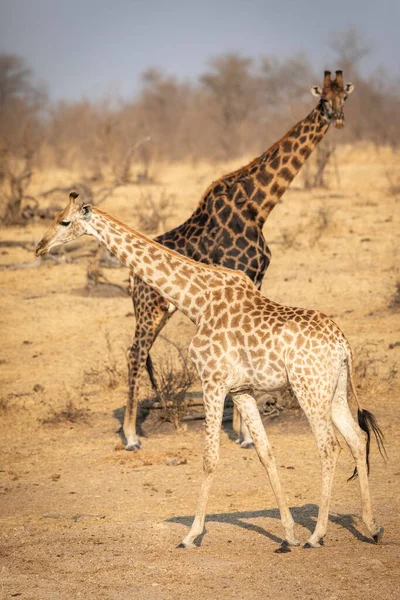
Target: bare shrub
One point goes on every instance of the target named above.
(393, 183)
(374, 375)
(110, 372)
(152, 213)
(314, 229)
(289, 238)
(16, 174)
(395, 301)
(111, 367)
(70, 413)
(323, 221)
(323, 155)
(21, 136)
(123, 172)
(4, 404)
(173, 378)
(94, 271)
(314, 172)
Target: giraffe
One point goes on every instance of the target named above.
(244, 343)
(226, 229)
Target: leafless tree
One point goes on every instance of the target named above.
(238, 105)
(233, 91)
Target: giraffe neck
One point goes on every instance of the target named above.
(179, 279)
(259, 185)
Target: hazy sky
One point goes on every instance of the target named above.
(93, 47)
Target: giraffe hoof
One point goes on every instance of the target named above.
(378, 535)
(283, 548)
(319, 544)
(247, 445)
(133, 447)
(183, 545)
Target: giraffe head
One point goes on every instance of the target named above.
(68, 225)
(333, 96)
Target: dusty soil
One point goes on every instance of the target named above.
(82, 517)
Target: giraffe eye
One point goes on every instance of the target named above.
(65, 223)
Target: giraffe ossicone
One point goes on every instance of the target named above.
(244, 343)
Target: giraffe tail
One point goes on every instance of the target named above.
(366, 420)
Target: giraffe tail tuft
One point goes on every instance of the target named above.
(366, 420)
(368, 423)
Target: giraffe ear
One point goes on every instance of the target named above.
(86, 211)
(349, 87)
(316, 91)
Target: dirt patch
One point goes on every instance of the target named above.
(82, 517)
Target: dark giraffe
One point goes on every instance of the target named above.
(226, 227)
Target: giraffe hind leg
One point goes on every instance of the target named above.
(356, 441)
(310, 396)
(151, 316)
(328, 449)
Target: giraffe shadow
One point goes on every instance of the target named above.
(305, 515)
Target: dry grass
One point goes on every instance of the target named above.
(4, 405)
(395, 302)
(393, 180)
(110, 372)
(340, 275)
(153, 212)
(375, 374)
(70, 413)
(112, 368)
(311, 231)
(320, 264)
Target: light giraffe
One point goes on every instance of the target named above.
(226, 228)
(244, 343)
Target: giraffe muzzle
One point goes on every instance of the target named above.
(41, 248)
(339, 120)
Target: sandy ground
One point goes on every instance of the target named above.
(82, 517)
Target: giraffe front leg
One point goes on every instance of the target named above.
(214, 405)
(151, 316)
(329, 449)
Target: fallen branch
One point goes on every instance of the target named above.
(227, 416)
(15, 244)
